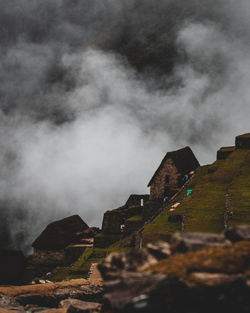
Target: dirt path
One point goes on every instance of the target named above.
(94, 273)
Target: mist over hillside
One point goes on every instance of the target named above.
(93, 93)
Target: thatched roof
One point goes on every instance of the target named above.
(60, 234)
(184, 160)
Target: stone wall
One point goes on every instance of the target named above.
(105, 240)
(131, 225)
(157, 188)
(112, 220)
(135, 200)
(224, 152)
(243, 142)
(48, 258)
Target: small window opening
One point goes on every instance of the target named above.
(167, 179)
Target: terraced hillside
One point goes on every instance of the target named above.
(80, 269)
(220, 198)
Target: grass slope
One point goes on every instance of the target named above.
(204, 208)
(228, 259)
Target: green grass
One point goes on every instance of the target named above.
(80, 268)
(124, 243)
(204, 209)
(105, 240)
(240, 195)
(137, 218)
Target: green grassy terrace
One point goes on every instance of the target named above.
(204, 208)
(80, 268)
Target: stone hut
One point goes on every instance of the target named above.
(224, 152)
(59, 234)
(172, 173)
(114, 220)
(243, 141)
(137, 200)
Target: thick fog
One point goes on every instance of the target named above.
(94, 93)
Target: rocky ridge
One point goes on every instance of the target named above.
(210, 274)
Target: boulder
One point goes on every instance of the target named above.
(117, 263)
(160, 250)
(12, 265)
(78, 306)
(41, 300)
(214, 279)
(182, 242)
(238, 233)
(44, 297)
(7, 302)
(60, 234)
(129, 292)
(156, 292)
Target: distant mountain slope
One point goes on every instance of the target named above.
(220, 198)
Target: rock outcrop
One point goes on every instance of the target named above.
(238, 233)
(50, 295)
(117, 263)
(78, 306)
(183, 242)
(212, 275)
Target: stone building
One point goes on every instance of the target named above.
(115, 220)
(172, 173)
(137, 200)
(59, 234)
(224, 152)
(243, 141)
(60, 243)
